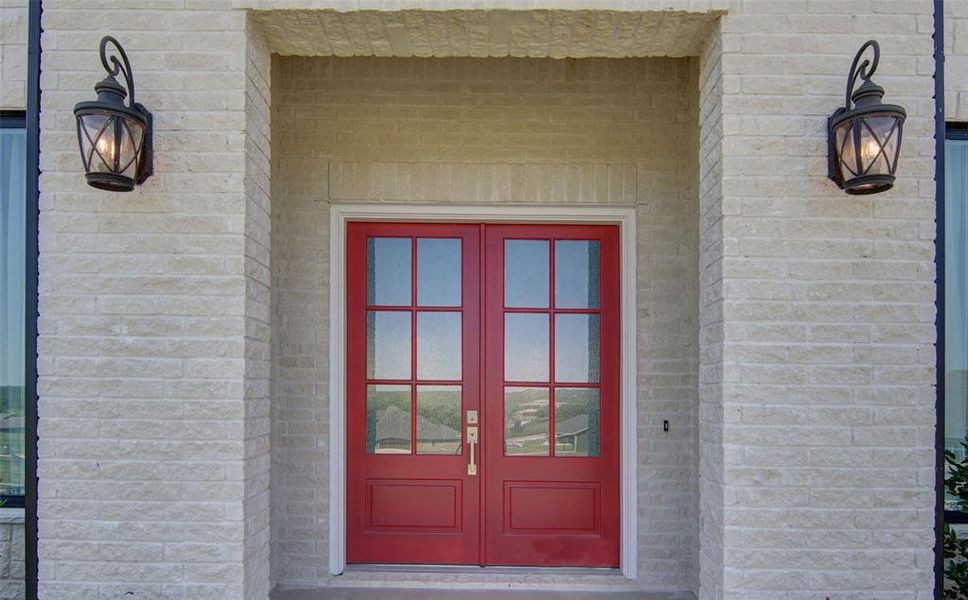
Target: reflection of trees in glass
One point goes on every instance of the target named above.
(526, 421)
(388, 419)
(11, 440)
(438, 420)
(956, 403)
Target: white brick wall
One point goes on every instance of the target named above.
(257, 327)
(535, 33)
(956, 61)
(536, 131)
(13, 54)
(710, 411)
(827, 356)
(12, 553)
(152, 363)
(814, 319)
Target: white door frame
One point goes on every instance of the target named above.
(341, 214)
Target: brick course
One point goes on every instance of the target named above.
(588, 131)
(806, 332)
(13, 54)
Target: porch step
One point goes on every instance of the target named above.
(478, 578)
(381, 582)
(380, 593)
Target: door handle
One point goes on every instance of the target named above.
(472, 443)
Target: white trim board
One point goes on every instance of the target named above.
(341, 214)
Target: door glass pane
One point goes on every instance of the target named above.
(526, 273)
(438, 419)
(438, 345)
(388, 271)
(576, 274)
(526, 421)
(387, 344)
(438, 272)
(526, 356)
(576, 422)
(956, 302)
(576, 348)
(388, 419)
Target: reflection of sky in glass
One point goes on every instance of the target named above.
(576, 274)
(438, 272)
(526, 356)
(388, 345)
(576, 348)
(526, 273)
(12, 258)
(388, 271)
(438, 345)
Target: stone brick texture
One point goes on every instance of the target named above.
(12, 554)
(786, 329)
(496, 33)
(153, 329)
(589, 131)
(824, 394)
(956, 61)
(13, 54)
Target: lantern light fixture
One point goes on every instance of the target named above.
(864, 136)
(115, 138)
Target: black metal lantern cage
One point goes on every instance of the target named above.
(864, 136)
(115, 138)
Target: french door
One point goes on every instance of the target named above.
(482, 394)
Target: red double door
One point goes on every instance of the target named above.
(482, 394)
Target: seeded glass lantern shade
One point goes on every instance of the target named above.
(114, 137)
(865, 135)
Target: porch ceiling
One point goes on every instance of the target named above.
(485, 33)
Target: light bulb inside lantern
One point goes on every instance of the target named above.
(105, 148)
(869, 150)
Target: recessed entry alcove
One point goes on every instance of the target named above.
(474, 117)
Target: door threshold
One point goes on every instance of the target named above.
(479, 569)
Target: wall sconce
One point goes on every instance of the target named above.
(115, 138)
(864, 140)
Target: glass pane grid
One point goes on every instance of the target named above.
(395, 313)
(529, 425)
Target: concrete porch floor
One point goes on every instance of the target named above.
(351, 593)
(423, 582)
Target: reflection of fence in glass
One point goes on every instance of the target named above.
(11, 441)
(956, 447)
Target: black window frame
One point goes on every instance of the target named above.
(17, 119)
(952, 131)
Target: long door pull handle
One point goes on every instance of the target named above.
(472, 442)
